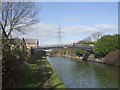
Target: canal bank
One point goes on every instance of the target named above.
(39, 74)
(103, 60)
(77, 58)
(54, 80)
(110, 59)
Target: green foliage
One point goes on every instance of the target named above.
(67, 51)
(31, 77)
(86, 42)
(80, 51)
(23, 55)
(106, 44)
(13, 63)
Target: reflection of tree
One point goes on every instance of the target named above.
(103, 75)
(107, 76)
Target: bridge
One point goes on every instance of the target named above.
(71, 47)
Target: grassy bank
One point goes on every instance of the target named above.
(40, 74)
(31, 79)
(54, 80)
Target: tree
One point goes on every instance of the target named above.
(106, 44)
(80, 52)
(95, 36)
(17, 16)
(88, 39)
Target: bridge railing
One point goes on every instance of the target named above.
(56, 45)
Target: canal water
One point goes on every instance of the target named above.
(82, 74)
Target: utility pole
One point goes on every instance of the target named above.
(60, 36)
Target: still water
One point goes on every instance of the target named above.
(82, 74)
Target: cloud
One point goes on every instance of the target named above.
(106, 27)
(79, 30)
(72, 20)
(47, 33)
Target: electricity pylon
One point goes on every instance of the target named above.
(60, 36)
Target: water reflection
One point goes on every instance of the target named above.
(82, 74)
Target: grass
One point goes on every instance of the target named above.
(54, 80)
(32, 76)
(31, 79)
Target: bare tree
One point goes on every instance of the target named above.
(17, 16)
(88, 39)
(95, 36)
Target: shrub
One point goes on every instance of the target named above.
(80, 52)
(106, 44)
(13, 65)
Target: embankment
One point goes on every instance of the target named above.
(54, 80)
(111, 58)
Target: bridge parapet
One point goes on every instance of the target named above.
(87, 48)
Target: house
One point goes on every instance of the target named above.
(31, 43)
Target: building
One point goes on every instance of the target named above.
(31, 43)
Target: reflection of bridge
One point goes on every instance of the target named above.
(86, 48)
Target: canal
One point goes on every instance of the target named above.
(82, 74)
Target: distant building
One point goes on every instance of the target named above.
(31, 43)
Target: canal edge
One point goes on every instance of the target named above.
(55, 80)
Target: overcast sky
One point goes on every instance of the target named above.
(77, 21)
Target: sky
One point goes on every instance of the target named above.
(77, 20)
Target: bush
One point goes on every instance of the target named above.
(80, 52)
(13, 71)
(106, 44)
(13, 65)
